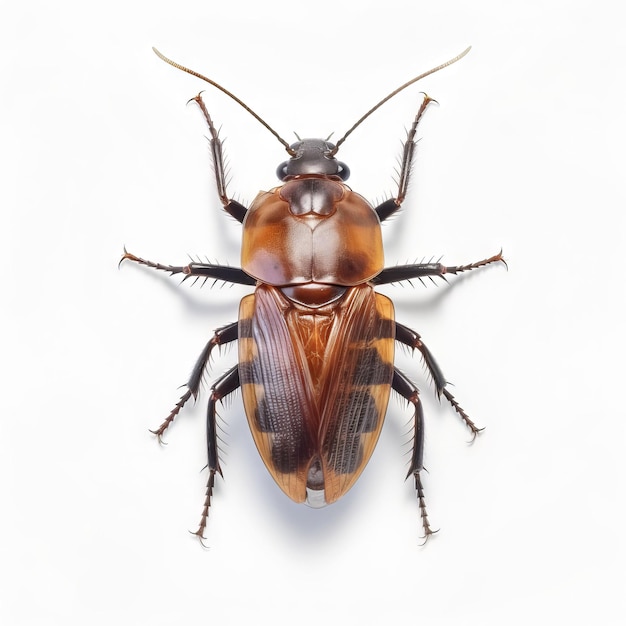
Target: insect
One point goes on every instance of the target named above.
(316, 341)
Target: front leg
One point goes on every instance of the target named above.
(237, 210)
(389, 207)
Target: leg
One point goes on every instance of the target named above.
(389, 207)
(226, 384)
(422, 270)
(414, 341)
(402, 385)
(238, 211)
(222, 336)
(207, 270)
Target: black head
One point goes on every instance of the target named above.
(312, 156)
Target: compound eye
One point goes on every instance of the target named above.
(343, 171)
(281, 170)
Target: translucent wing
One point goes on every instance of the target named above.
(316, 384)
(277, 395)
(358, 376)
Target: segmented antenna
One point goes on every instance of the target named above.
(397, 91)
(282, 141)
(229, 94)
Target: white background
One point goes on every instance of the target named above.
(525, 151)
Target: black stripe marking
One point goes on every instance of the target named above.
(370, 368)
(357, 415)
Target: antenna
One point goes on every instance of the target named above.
(397, 91)
(229, 94)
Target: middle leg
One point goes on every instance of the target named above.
(423, 270)
(196, 270)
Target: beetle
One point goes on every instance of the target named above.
(316, 341)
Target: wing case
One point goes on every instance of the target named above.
(316, 384)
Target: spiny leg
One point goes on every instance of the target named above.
(224, 385)
(402, 385)
(389, 207)
(198, 270)
(237, 210)
(422, 270)
(413, 340)
(222, 336)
